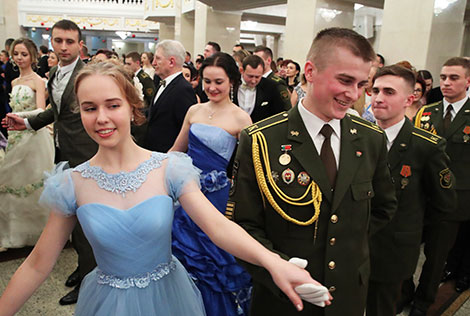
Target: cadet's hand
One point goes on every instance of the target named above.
(315, 294)
(13, 122)
(287, 276)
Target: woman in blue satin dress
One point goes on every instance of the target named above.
(124, 198)
(209, 135)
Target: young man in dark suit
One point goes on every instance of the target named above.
(257, 96)
(313, 182)
(75, 146)
(423, 181)
(172, 100)
(449, 118)
(43, 66)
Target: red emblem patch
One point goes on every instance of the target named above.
(466, 130)
(405, 171)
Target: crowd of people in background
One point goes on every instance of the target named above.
(204, 106)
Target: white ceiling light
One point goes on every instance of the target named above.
(328, 14)
(441, 5)
(123, 35)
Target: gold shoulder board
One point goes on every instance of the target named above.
(366, 123)
(267, 122)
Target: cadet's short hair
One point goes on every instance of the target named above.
(397, 71)
(266, 51)
(459, 61)
(214, 45)
(67, 25)
(254, 61)
(330, 38)
(382, 59)
(172, 48)
(135, 56)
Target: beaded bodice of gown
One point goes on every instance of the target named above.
(22, 98)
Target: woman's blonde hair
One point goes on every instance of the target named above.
(124, 81)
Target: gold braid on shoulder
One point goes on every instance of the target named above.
(313, 187)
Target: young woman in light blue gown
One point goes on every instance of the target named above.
(123, 198)
(209, 135)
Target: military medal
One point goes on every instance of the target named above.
(285, 158)
(353, 131)
(288, 176)
(466, 137)
(303, 178)
(405, 173)
(426, 126)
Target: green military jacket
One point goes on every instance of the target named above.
(148, 86)
(336, 244)
(282, 89)
(423, 181)
(431, 118)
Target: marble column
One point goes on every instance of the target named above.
(425, 34)
(305, 18)
(216, 26)
(9, 25)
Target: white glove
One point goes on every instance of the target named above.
(312, 293)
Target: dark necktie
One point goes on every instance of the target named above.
(448, 117)
(327, 156)
(163, 83)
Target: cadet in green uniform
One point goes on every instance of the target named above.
(316, 197)
(450, 119)
(420, 169)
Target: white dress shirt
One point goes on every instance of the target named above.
(392, 132)
(167, 82)
(314, 124)
(61, 79)
(456, 106)
(246, 97)
(266, 74)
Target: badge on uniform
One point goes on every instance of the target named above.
(285, 158)
(275, 175)
(446, 178)
(288, 176)
(303, 178)
(405, 173)
(466, 131)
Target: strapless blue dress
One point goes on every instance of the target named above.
(225, 286)
(136, 273)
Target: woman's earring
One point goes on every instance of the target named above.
(132, 118)
(14, 66)
(231, 92)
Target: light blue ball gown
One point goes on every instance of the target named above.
(225, 286)
(136, 273)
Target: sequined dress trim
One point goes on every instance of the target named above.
(140, 281)
(121, 182)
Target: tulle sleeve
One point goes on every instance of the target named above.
(181, 176)
(59, 193)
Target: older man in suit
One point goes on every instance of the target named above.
(449, 118)
(420, 167)
(172, 100)
(313, 182)
(257, 96)
(75, 146)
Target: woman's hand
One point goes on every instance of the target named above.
(288, 276)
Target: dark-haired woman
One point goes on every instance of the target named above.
(209, 135)
(292, 74)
